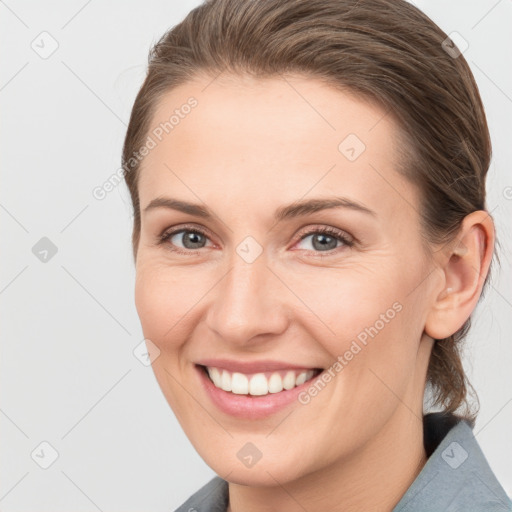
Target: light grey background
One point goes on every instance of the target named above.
(69, 325)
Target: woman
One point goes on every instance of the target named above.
(311, 237)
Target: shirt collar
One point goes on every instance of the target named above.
(457, 476)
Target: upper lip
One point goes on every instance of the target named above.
(252, 366)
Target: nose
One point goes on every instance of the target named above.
(248, 304)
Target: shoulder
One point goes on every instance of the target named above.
(212, 497)
(457, 476)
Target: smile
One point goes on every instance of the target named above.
(259, 384)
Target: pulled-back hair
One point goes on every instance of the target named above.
(385, 51)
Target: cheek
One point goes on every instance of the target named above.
(164, 308)
(162, 304)
(348, 301)
(367, 321)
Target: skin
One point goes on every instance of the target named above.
(249, 147)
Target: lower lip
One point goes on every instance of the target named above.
(249, 406)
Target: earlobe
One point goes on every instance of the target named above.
(465, 268)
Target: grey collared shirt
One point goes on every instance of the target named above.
(456, 477)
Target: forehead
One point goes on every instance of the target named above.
(272, 140)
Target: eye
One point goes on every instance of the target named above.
(191, 239)
(325, 239)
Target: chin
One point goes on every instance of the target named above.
(266, 472)
(261, 477)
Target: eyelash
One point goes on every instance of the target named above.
(335, 233)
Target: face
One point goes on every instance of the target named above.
(265, 294)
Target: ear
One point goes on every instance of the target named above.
(464, 269)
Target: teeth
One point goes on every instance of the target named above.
(301, 378)
(215, 376)
(275, 383)
(289, 380)
(239, 384)
(225, 382)
(258, 384)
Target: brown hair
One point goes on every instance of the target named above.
(386, 51)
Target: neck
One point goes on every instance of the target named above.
(375, 478)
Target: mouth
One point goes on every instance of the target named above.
(258, 384)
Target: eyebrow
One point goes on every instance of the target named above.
(295, 209)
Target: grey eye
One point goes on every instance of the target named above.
(190, 239)
(321, 241)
